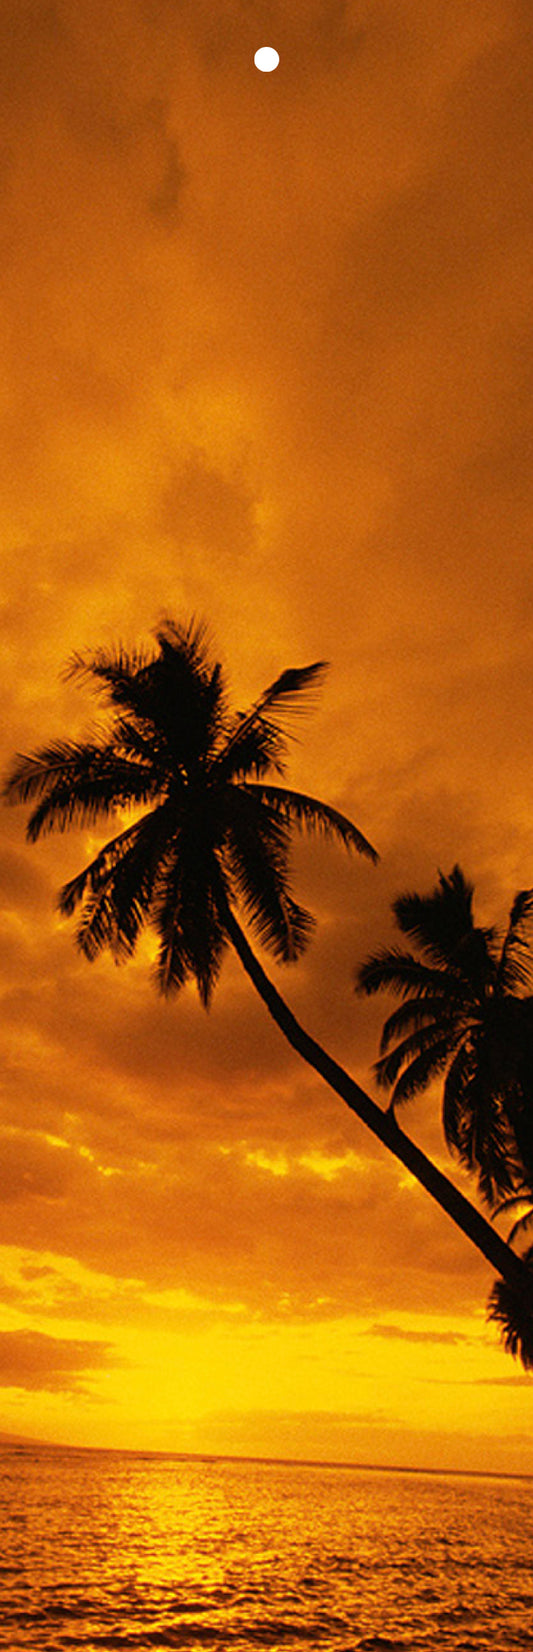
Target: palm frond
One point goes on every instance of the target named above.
(455, 1126)
(177, 693)
(139, 740)
(137, 851)
(256, 849)
(417, 1014)
(256, 750)
(173, 965)
(522, 1225)
(77, 784)
(476, 1125)
(96, 873)
(509, 1306)
(401, 973)
(102, 925)
(442, 925)
(187, 921)
(115, 669)
(190, 641)
(420, 1072)
(413, 1063)
(293, 692)
(30, 776)
(190, 687)
(522, 909)
(116, 890)
(521, 1195)
(308, 813)
(289, 696)
(438, 920)
(283, 926)
(515, 969)
(518, 1108)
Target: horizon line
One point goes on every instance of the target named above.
(23, 1442)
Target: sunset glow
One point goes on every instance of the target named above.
(266, 358)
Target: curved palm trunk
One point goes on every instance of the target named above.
(382, 1124)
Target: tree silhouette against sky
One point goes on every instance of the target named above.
(466, 1013)
(210, 837)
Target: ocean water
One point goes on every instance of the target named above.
(114, 1549)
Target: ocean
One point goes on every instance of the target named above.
(134, 1550)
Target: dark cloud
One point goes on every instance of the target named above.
(30, 34)
(32, 1360)
(229, 1224)
(202, 507)
(404, 1335)
(164, 201)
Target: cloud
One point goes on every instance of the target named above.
(32, 1360)
(222, 1226)
(405, 1335)
(519, 1381)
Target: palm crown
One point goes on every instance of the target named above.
(467, 1013)
(209, 828)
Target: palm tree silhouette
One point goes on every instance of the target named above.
(466, 1012)
(213, 835)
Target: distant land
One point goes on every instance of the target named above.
(7, 1440)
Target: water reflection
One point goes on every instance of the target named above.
(113, 1549)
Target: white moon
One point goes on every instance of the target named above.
(266, 59)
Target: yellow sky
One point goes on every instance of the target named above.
(266, 356)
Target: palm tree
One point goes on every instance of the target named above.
(466, 1013)
(209, 832)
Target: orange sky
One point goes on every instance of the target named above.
(266, 357)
